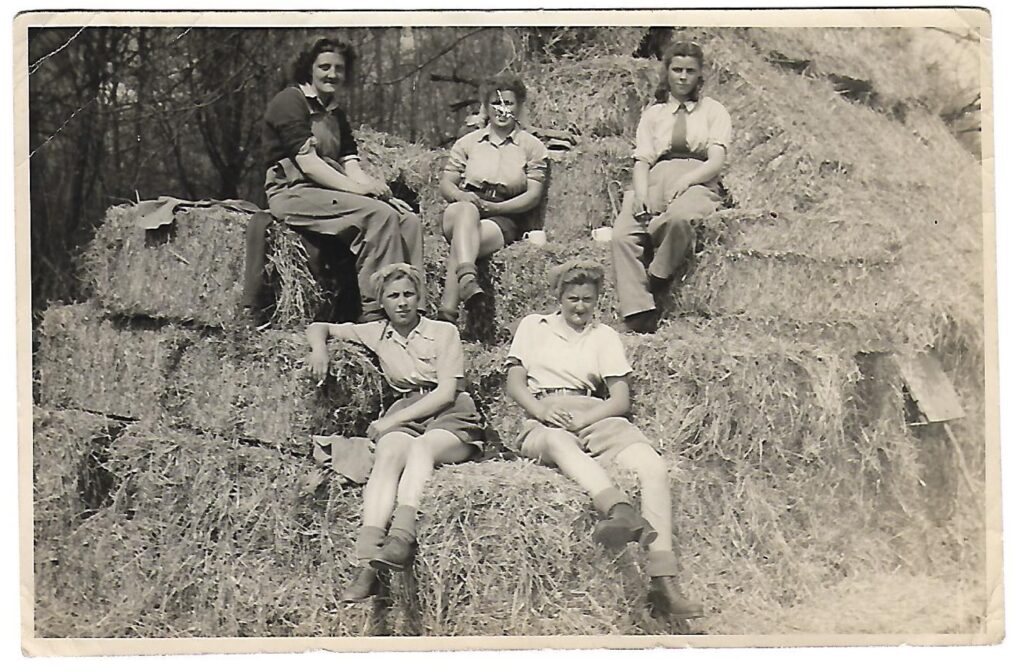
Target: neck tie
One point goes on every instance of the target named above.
(679, 145)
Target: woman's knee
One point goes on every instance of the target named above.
(392, 451)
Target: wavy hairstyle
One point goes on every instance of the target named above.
(302, 68)
(504, 82)
(576, 272)
(686, 50)
(392, 272)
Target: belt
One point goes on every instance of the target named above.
(681, 155)
(563, 392)
(418, 390)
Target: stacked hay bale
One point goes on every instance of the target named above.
(766, 389)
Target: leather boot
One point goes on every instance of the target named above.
(623, 526)
(395, 553)
(363, 585)
(667, 600)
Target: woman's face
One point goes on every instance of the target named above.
(577, 303)
(684, 74)
(502, 109)
(328, 74)
(399, 302)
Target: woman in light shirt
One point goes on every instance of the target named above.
(558, 365)
(494, 176)
(681, 145)
(435, 422)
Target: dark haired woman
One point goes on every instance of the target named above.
(681, 145)
(314, 180)
(557, 365)
(494, 176)
(435, 421)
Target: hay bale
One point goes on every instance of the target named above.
(596, 97)
(207, 538)
(69, 477)
(790, 234)
(501, 549)
(585, 189)
(258, 386)
(192, 270)
(246, 384)
(106, 365)
(790, 287)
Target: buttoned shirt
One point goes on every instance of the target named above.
(479, 158)
(707, 123)
(557, 356)
(432, 352)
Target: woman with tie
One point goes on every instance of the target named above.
(681, 144)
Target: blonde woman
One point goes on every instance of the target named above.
(435, 422)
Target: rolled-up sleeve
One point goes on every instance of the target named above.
(458, 157)
(288, 117)
(450, 359)
(720, 128)
(536, 160)
(645, 150)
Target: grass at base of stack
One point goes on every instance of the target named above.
(208, 538)
(115, 367)
(258, 385)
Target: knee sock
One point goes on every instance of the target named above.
(606, 500)
(368, 539)
(662, 563)
(403, 524)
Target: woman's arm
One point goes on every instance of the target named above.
(374, 187)
(451, 192)
(641, 182)
(516, 387)
(524, 202)
(426, 406)
(617, 404)
(317, 334)
(319, 171)
(708, 170)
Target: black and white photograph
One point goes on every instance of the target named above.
(349, 328)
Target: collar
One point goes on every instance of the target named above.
(513, 136)
(560, 327)
(674, 105)
(309, 91)
(421, 329)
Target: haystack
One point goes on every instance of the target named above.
(246, 384)
(206, 538)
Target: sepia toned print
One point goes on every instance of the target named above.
(772, 356)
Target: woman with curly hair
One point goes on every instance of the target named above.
(559, 365)
(315, 182)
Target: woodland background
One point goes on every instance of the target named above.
(123, 114)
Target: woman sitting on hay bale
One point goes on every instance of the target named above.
(681, 143)
(558, 364)
(314, 180)
(495, 175)
(435, 421)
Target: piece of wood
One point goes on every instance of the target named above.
(930, 387)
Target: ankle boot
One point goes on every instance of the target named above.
(667, 600)
(396, 553)
(469, 288)
(363, 585)
(623, 526)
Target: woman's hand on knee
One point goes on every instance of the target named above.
(377, 428)
(677, 189)
(556, 417)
